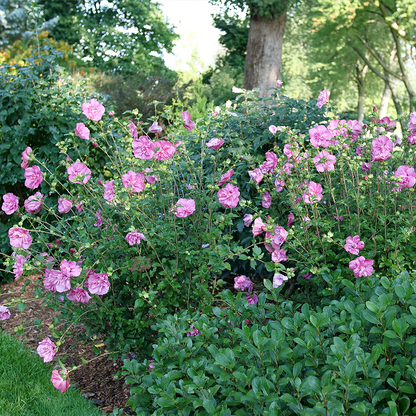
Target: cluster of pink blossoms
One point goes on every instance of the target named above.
(244, 284)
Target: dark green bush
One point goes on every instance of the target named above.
(350, 356)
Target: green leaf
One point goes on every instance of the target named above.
(21, 306)
(400, 291)
(209, 407)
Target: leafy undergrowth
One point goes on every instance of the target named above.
(26, 390)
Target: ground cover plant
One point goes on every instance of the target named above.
(25, 387)
(308, 208)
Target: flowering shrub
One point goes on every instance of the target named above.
(354, 355)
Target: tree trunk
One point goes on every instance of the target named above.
(264, 53)
(361, 72)
(385, 98)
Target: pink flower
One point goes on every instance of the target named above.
(386, 120)
(78, 173)
(25, 157)
(356, 127)
(323, 98)
(166, 150)
(184, 207)
(46, 350)
(337, 127)
(279, 237)
(411, 138)
(313, 194)
(151, 367)
(215, 143)
(150, 178)
(56, 281)
(98, 283)
(324, 161)
(353, 245)
(320, 136)
(93, 110)
(135, 180)
(34, 203)
(266, 200)
(228, 196)
(19, 237)
(64, 205)
(70, 268)
(62, 384)
(270, 163)
(252, 299)
(365, 166)
(243, 283)
(279, 184)
(192, 333)
(82, 131)
(143, 148)
(291, 150)
(279, 255)
(99, 221)
(248, 219)
(279, 83)
(4, 313)
(381, 147)
(412, 122)
(186, 117)
(224, 178)
(78, 295)
(10, 203)
(134, 237)
(287, 168)
(256, 175)
(18, 265)
(273, 129)
(133, 129)
(155, 128)
(278, 280)
(361, 267)
(109, 191)
(407, 176)
(258, 227)
(290, 219)
(33, 177)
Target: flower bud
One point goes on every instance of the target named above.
(95, 144)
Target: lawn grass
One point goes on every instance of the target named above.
(26, 389)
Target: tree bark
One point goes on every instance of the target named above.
(361, 72)
(264, 53)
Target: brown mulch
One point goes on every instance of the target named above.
(96, 379)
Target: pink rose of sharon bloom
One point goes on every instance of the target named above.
(184, 207)
(143, 148)
(78, 172)
(248, 219)
(82, 131)
(10, 203)
(279, 255)
(278, 280)
(252, 299)
(381, 148)
(279, 237)
(361, 267)
(134, 238)
(323, 98)
(46, 350)
(270, 163)
(70, 268)
(224, 178)
(78, 295)
(34, 203)
(412, 122)
(19, 237)
(93, 110)
(98, 283)
(215, 143)
(228, 196)
(313, 194)
(290, 219)
(279, 185)
(189, 124)
(25, 157)
(135, 180)
(243, 283)
(109, 191)
(33, 177)
(353, 244)
(166, 150)
(320, 136)
(192, 333)
(64, 205)
(4, 313)
(273, 129)
(258, 227)
(324, 161)
(266, 200)
(62, 384)
(407, 176)
(256, 175)
(155, 128)
(18, 265)
(56, 281)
